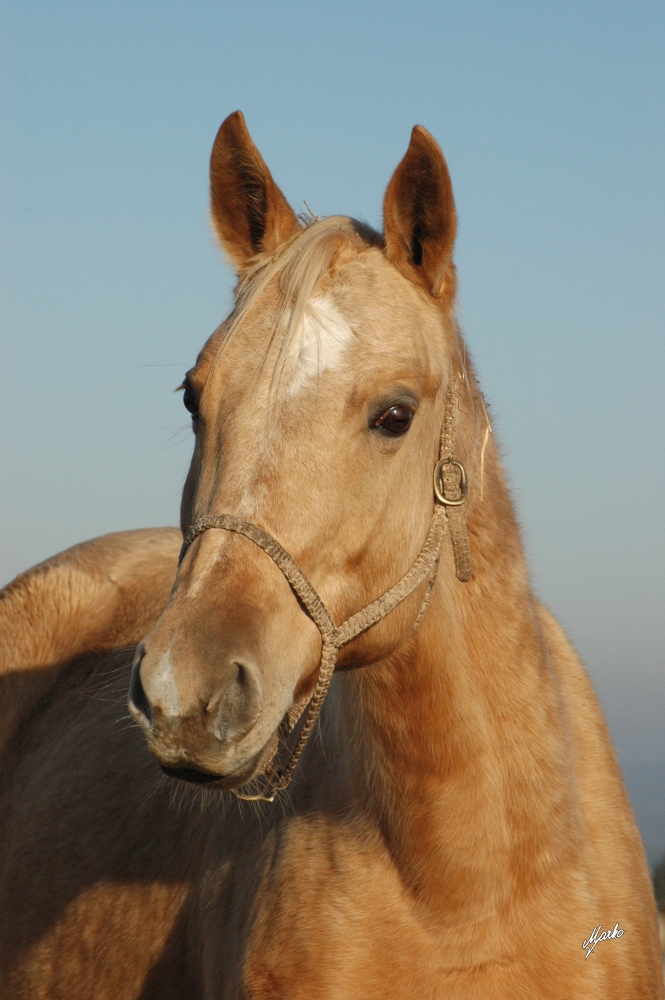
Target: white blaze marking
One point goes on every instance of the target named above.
(319, 342)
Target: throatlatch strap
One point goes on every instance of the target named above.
(447, 513)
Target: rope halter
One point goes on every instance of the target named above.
(450, 493)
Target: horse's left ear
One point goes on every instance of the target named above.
(419, 216)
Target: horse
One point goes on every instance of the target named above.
(361, 759)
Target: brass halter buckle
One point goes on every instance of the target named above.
(438, 483)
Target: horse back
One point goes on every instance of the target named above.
(100, 595)
(91, 896)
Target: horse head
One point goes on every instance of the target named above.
(317, 409)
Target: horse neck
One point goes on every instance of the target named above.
(459, 739)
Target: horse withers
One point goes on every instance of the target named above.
(377, 767)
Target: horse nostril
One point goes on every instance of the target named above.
(137, 696)
(241, 673)
(237, 704)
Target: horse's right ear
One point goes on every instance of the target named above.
(419, 216)
(250, 213)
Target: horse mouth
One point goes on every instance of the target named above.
(193, 776)
(196, 776)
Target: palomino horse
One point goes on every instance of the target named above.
(455, 825)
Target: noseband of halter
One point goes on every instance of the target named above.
(450, 492)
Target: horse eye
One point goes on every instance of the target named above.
(189, 400)
(395, 420)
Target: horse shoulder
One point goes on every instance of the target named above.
(614, 862)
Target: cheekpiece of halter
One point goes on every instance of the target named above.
(439, 488)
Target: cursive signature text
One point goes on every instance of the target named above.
(596, 937)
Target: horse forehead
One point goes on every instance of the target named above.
(354, 333)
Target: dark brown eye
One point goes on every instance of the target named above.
(396, 420)
(189, 400)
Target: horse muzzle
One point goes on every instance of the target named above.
(201, 727)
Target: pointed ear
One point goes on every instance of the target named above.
(250, 213)
(419, 216)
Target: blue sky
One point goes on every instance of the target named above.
(551, 118)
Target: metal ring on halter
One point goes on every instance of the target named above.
(438, 483)
(252, 798)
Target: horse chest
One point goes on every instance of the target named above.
(338, 940)
(333, 919)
